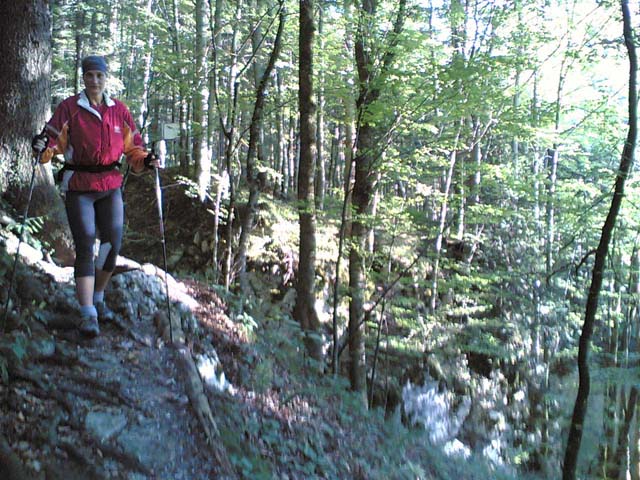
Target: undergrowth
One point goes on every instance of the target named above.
(292, 419)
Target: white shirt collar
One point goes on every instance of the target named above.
(84, 102)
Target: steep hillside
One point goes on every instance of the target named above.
(232, 396)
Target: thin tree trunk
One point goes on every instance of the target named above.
(552, 166)
(619, 466)
(146, 79)
(305, 310)
(366, 152)
(381, 320)
(607, 443)
(631, 316)
(515, 144)
(228, 129)
(460, 189)
(280, 166)
(79, 28)
(442, 221)
(215, 12)
(634, 456)
(333, 158)
(582, 398)
(320, 173)
(257, 38)
(292, 154)
(346, 202)
(182, 90)
(201, 157)
(251, 165)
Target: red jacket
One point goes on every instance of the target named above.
(88, 135)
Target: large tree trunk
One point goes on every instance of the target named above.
(582, 398)
(25, 47)
(305, 311)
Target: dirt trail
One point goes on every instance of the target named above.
(117, 406)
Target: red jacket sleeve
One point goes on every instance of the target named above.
(57, 129)
(133, 145)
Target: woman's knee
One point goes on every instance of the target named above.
(107, 256)
(84, 265)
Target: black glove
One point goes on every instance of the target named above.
(148, 159)
(40, 142)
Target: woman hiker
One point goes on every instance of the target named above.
(92, 131)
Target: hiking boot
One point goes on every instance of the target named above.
(105, 314)
(88, 326)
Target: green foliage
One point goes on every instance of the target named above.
(19, 347)
(13, 355)
(32, 227)
(292, 422)
(247, 324)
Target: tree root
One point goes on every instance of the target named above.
(64, 357)
(22, 373)
(80, 458)
(71, 419)
(110, 389)
(124, 458)
(56, 395)
(95, 395)
(103, 395)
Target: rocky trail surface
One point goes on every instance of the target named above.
(128, 404)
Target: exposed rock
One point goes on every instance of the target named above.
(147, 444)
(104, 425)
(42, 346)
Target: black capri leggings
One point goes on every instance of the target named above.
(94, 214)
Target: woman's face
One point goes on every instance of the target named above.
(94, 82)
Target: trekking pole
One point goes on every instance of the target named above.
(36, 161)
(164, 247)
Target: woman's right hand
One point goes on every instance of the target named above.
(39, 143)
(152, 161)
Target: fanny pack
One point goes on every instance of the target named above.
(87, 168)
